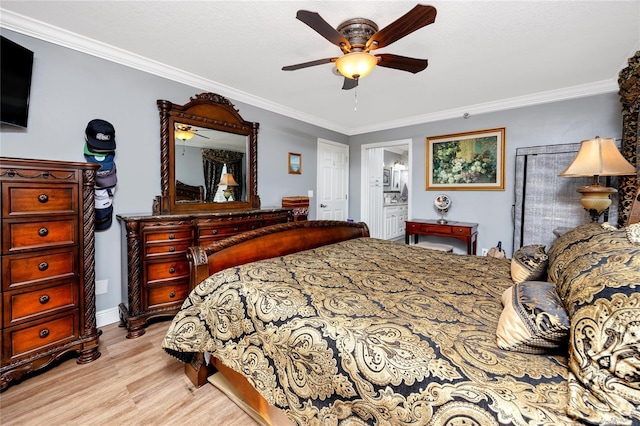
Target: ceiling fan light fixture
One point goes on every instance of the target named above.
(184, 135)
(356, 65)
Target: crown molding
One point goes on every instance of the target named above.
(573, 92)
(43, 31)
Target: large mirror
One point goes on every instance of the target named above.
(208, 157)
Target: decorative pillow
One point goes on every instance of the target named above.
(599, 286)
(533, 319)
(568, 247)
(633, 233)
(529, 263)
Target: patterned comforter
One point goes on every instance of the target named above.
(369, 331)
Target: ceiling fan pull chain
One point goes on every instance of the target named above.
(355, 95)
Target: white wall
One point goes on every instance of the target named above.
(554, 123)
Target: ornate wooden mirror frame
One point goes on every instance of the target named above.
(206, 111)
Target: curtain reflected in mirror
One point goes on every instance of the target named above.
(213, 164)
(202, 161)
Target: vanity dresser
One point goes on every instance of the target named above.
(48, 264)
(204, 144)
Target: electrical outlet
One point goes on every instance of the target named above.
(485, 251)
(102, 286)
(310, 193)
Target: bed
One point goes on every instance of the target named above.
(333, 327)
(192, 193)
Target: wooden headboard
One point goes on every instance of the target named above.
(186, 192)
(270, 241)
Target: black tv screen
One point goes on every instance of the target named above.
(16, 66)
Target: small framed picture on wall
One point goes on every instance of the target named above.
(295, 164)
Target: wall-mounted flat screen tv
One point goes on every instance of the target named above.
(16, 66)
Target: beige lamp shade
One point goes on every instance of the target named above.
(228, 180)
(356, 64)
(599, 157)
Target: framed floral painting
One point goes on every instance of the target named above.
(466, 161)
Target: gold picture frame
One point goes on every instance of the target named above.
(469, 161)
(295, 163)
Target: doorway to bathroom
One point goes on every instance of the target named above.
(386, 187)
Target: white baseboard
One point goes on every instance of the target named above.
(108, 316)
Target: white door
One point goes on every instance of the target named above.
(333, 181)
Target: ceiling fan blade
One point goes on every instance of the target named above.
(202, 136)
(308, 64)
(322, 27)
(349, 83)
(402, 63)
(418, 17)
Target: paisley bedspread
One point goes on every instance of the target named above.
(369, 331)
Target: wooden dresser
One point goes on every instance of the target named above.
(155, 252)
(48, 265)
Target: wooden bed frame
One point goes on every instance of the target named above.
(263, 243)
(186, 192)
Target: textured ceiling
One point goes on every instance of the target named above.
(483, 55)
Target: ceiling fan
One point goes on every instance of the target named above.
(359, 36)
(184, 132)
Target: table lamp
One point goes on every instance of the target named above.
(229, 181)
(597, 157)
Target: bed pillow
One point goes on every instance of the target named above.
(567, 248)
(529, 263)
(601, 288)
(533, 319)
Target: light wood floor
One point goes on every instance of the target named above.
(134, 382)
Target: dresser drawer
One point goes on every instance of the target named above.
(19, 236)
(178, 248)
(160, 271)
(163, 295)
(43, 267)
(168, 242)
(214, 232)
(25, 199)
(431, 228)
(168, 236)
(461, 230)
(24, 305)
(27, 338)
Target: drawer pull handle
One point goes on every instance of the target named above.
(43, 232)
(172, 270)
(172, 249)
(44, 299)
(44, 333)
(43, 266)
(171, 236)
(172, 294)
(236, 229)
(43, 198)
(214, 232)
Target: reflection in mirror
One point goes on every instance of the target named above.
(208, 124)
(210, 165)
